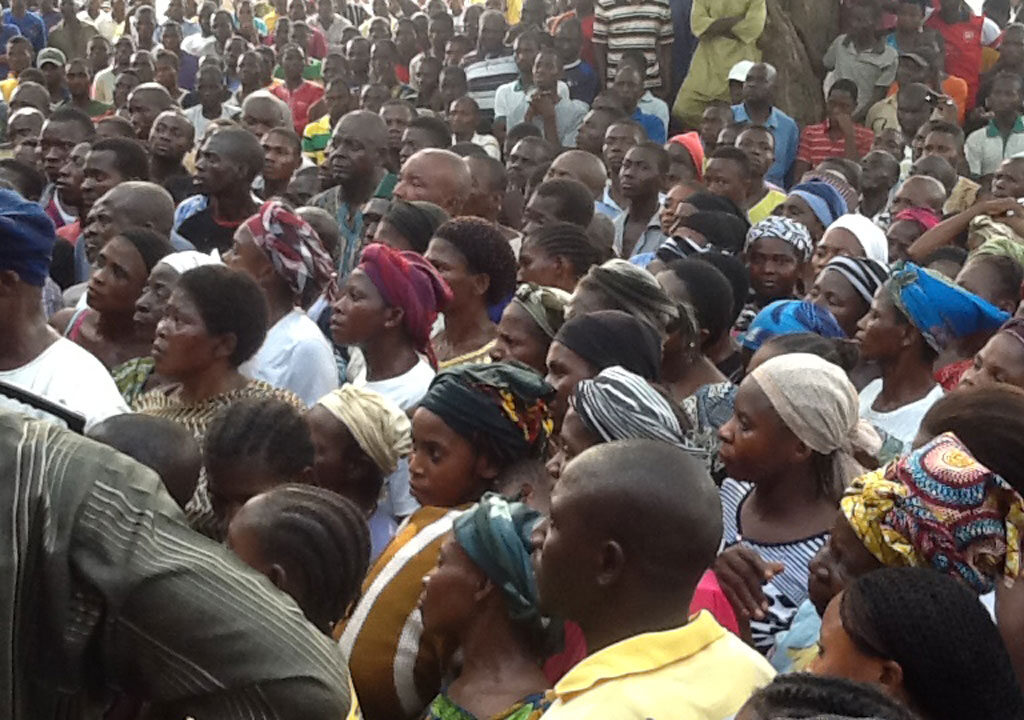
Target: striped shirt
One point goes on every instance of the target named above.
(643, 26)
(817, 145)
(103, 586)
(484, 77)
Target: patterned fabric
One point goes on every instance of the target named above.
(482, 355)
(380, 428)
(26, 238)
(531, 708)
(545, 305)
(864, 274)
(940, 507)
(643, 26)
(708, 409)
(293, 247)
(131, 376)
(789, 231)
(789, 317)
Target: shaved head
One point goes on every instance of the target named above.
(437, 176)
(141, 203)
(581, 166)
(920, 191)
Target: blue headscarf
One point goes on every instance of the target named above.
(940, 310)
(823, 199)
(789, 317)
(27, 238)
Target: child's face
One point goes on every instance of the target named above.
(909, 16)
(445, 469)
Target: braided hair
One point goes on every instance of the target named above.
(267, 430)
(802, 695)
(954, 663)
(568, 241)
(322, 543)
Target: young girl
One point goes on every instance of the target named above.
(776, 251)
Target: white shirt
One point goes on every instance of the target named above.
(103, 23)
(295, 356)
(986, 150)
(903, 422)
(488, 142)
(201, 122)
(70, 376)
(650, 105)
(199, 46)
(512, 94)
(103, 86)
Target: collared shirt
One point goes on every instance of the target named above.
(699, 671)
(488, 142)
(651, 105)
(485, 76)
(650, 239)
(350, 220)
(334, 34)
(511, 95)
(582, 81)
(299, 101)
(986, 147)
(816, 144)
(867, 69)
(787, 138)
(569, 114)
(654, 127)
(72, 40)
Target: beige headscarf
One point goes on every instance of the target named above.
(379, 426)
(820, 406)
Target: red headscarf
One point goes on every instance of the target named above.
(691, 141)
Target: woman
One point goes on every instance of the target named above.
(1001, 360)
(476, 421)
(476, 261)
(776, 250)
(107, 327)
(788, 450)
(788, 317)
(800, 695)
(702, 231)
(686, 158)
(528, 325)
(557, 255)
(925, 640)
(815, 205)
(409, 225)
(214, 320)
(851, 235)
(618, 285)
(845, 287)
(906, 227)
(482, 598)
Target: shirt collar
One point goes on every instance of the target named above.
(992, 131)
(574, 64)
(741, 115)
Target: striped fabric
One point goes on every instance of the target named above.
(816, 145)
(643, 26)
(484, 77)
(104, 586)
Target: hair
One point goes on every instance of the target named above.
(841, 353)
(441, 134)
(1004, 76)
(659, 151)
(163, 54)
(736, 155)
(124, 126)
(737, 275)
(229, 302)
(846, 167)
(1009, 274)
(569, 241)
(951, 254)
(469, 149)
(710, 295)
(953, 659)
(803, 695)
(243, 148)
(76, 117)
(321, 541)
(521, 131)
(26, 180)
(575, 202)
(486, 251)
(151, 246)
(290, 136)
(130, 157)
(948, 128)
(847, 86)
(497, 176)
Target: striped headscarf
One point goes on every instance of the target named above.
(864, 274)
(789, 231)
(293, 247)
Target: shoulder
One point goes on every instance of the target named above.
(59, 320)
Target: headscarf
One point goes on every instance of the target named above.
(378, 426)
(923, 216)
(864, 274)
(27, 238)
(789, 317)
(940, 310)
(819, 405)
(188, 260)
(406, 280)
(612, 337)
(789, 231)
(839, 183)
(722, 230)
(691, 141)
(633, 290)
(620, 405)
(504, 402)
(545, 305)
(823, 199)
(416, 221)
(293, 247)
(871, 238)
(940, 507)
(1001, 245)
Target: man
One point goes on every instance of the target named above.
(590, 136)
(188, 64)
(6, 33)
(167, 68)
(586, 168)
(758, 108)
(488, 185)
(729, 175)
(628, 88)
(838, 136)
(946, 140)
(175, 13)
(452, 85)
(424, 132)
(143, 66)
(464, 119)
(578, 74)
(130, 204)
(563, 200)
(543, 106)
(282, 156)
(383, 59)
(523, 160)
(262, 111)
(437, 176)
(514, 93)
(397, 114)
(51, 62)
(641, 179)
(1003, 137)
(629, 588)
(299, 94)
(879, 174)
(170, 138)
(71, 35)
(250, 75)
(211, 90)
(30, 94)
(79, 85)
(144, 25)
(19, 57)
(491, 65)
(440, 30)
(716, 117)
(23, 131)
(919, 191)
(62, 131)
(620, 137)
(146, 102)
(29, 23)
(358, 53)
(227, 163)
(317, 134)
(964, 35)
(759, 145)
(645, 26)
(1011, 60)
(103, 80)
(331, 25)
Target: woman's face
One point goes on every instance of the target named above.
(332, 443)
(359, 313)
(1001, 360)
(796, 208)
(467, 287)
(882, 332)
(839, 656)
(676, 195)
(149, 308)
(182, 345)
(450, 591)
(774, 268)
(574, 438)
(118, 278)
(565, 369)
(841, 559)
(836, 241)
(537, 266)
(520, 338)
(834, 293)
(755, 443)
(445, 469)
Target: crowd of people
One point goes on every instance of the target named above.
(512, 359)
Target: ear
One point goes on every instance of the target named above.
(481, 283)
(891, 677)
(703, 337)
(801, 451)
(393, 317)
(278, 576)
(484, 589)
(612, 564)
(225, 345)
(486, 468)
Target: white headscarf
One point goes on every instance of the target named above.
(871, 238)
(188, 260)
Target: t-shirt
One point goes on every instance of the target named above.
(70, 376)
(194, 221)
(868, 70)
(200, 122)
(295, 356)
(643, 26)
(901, 423)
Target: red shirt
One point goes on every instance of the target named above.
(963, 49)
(817, 145)
(299, 101)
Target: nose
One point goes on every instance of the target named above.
(540, 531)
(554, 465)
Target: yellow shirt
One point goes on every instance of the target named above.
(699, 671)
(7, 86)
(765, 206)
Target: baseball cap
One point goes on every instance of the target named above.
(739, 70)
(51, 55)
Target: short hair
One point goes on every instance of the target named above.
(521, 131)
(497, 176)
(76, 117)
(847, 86)
(575, 202)
(1008, 76)
(735, 272)
(1009, 275)
(164, 54)
(26, 180)
(151, 246)
(848, 168)
(486, 251)
(659, 151)
(124, 126)
(636, 58)
(441, 134)
(244, 148)
(399, 102)
(842, 353)
(229, 302)
(710, 295)
(568, 241)
(803, 695)
(467, 149)
(735, 155)
(290, 136)
(948, 128)
(22, 40)
(131, 158)
(948, 254)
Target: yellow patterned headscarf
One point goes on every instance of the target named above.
(939, 507)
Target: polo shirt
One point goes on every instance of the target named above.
(765, 206)
(654, 127)
(868, 70)
(644, 25)
(986, 148)
(299, 101)
(484, 77)
(511, 95)
(699, 671)
(30, 25)
(581, 79)
(650, 239)
(963, 48)
(817, 145)
(103, 85)
(787, 138)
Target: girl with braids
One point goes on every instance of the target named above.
(473, 423)
(558, 255)
(924, 639)
(802, 695)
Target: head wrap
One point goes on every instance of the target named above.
(611, 337)
(789, 317)
(188, 260)
(377, 425)
(27, 237)
(416, 221)
(925, 217)
(495, 533)
(715, 203)
(620, 405)
(633, 290)
(546, 305)
(940, 310)
(691, 141)
(507, 403)
(722, 230)
(839, 183)
(1001, 246)
(940, 507)
(293, 247)
(789, 231)
(823, 199)
(406, 280)
(819, 405)
(864, 274)
(871, 238)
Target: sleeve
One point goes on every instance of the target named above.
(749, 29)
(43, 35)
(567, 133)
(667, 34)
(701, 17)
(865, 139)
(888, 74)
(829, 61)
(973, 150)
(803, 151)
(990, 32)
(600, 24)
(501, 101)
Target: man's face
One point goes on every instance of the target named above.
(877, 170)
(222, 27)
(629, 86)
(462, 117)
(427, 74)
(69, 180)
(144, 25)
(280, 159)
(1011, 49)
(78, 79)
(891, 141)
(712, 122)
(759, 147)
(167, 74)
(56, 142)
(292, 63)
(568, 42)
(1005, 97)
(142, 65)
(210, 88)
(171, 136)
(1008, 181)
(492, 33)
(19, 57)
(640, 175)
(259, 116)
(522, 161)
(335, 67)
(171, 38)
(176, 10)
(358, 52)
(757, 87)
(250, 67)
(215, 171)
(338, 99)
(143, 107)
(353, 152)
(452, 84)
(423, 178)
(100, 175)
(233, 50)
(396, 119)
(525, 53)
(373, 97)
(839, 103)
(619, 138)
(123, 50)
(439, 32)
(546, 71)
(123, 87)
(941, 145)
(53, 74)
(99, 54)
(912, 113)
(382, 62)
(725, 179)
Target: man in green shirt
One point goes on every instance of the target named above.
(79, 81)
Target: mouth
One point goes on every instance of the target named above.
(859, 337)
(157, 350)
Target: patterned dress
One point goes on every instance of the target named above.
(529, 708)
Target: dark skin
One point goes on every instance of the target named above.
(879, 172)
(840, 108)
(641, 179)
(245, 256)
(684, 366)
(759, 145)
(467, 325)
(169, 139)
(619, 138)
(220, 173)
(774, 269)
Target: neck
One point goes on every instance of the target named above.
(643, 207)
(758, 190)
(81, 101)
(24, 341)
(787, 494)
(873, 201)
(388, 355)
(685, 373)
(758, 110)
(116, 326)
(905, 378)
(160, 168)
(1005, 122)
(646, 615)
(279, 303)
(211, 112)
(233, 203)
(293, 82)
(496, 656)
(214, 380)
(274, 187)
(464, 136)
(721, 349)
(465, 324)
(358, 190)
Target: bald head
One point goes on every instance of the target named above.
(581, 166)
(262, 112)
(367, 125)
(437, 176)
(938, 168)
(919, 191)
(141, 203)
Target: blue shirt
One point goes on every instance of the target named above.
(6, 33)
(787, 139)
(654, 127)
(582, 81)
(31, 26)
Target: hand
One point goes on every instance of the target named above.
(542, 105)
(741, 572)
(1001, 207)
(722, 26)
(844, 122)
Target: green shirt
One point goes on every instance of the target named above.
(312, 71)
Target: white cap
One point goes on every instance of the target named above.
(739, 71)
